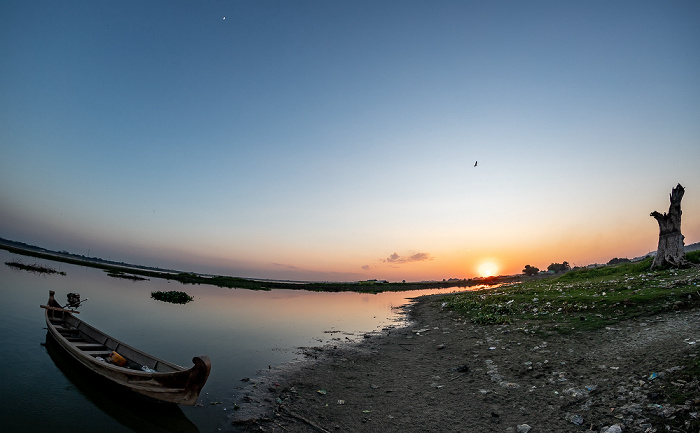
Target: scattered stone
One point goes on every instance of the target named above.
(461, 369)
(572, 388)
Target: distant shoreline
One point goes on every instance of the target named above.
(242, 283)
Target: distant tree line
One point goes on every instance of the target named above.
(617, 261)
(565, 266)
(554, 267)
(559, 267)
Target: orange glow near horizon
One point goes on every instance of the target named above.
(488, 269)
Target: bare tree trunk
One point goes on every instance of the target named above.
(671, 250)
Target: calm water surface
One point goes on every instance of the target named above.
(242, 331)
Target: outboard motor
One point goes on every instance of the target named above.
(73, 300)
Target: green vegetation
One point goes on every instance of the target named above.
(172, 296)
(584, 298)
(119, 274)
(36, 268)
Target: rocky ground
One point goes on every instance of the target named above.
(443, 373)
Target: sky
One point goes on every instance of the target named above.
(339, 140)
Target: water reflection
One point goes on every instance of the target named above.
(128, 409)
(242, 331)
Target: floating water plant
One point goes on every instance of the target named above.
(173, 296)
(118, 274)
(36, 268)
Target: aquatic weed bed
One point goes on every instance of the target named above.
(173, 296)
(37, 268)
(132, 277)
(585, 299)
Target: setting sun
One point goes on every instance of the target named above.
(488, 269)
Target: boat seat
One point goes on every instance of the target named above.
(102, 353)
(90, 346)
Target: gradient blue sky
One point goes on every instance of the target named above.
(330, 140)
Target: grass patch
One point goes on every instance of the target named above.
(584, 298)
(173, 296)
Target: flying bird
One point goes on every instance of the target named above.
(475, 163)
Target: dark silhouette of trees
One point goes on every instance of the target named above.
(559, 267)
(617, 261)
(530, 270)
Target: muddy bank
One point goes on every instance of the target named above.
(444, 374)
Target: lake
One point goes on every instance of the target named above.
(242, 332)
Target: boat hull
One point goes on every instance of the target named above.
(90, 347)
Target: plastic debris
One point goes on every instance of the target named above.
(576, 419)
(322, 391)
(653, 376)
(341, 402)
(575, 392)
(147, 370)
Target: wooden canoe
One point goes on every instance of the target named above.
(160, 380)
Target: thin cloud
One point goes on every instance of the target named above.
(286, 266)
(418, 257)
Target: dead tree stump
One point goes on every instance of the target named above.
(671, 249)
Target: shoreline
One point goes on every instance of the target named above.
(443, 373)
(248, 283)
